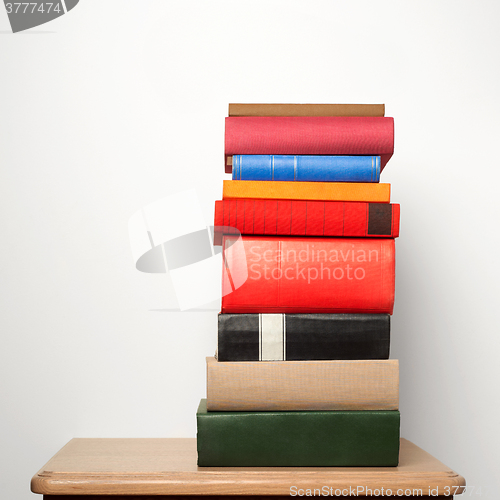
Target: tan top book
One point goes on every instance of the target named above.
(306, 110)
(303, 385)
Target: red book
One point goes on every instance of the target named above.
(310, 135)
(308, 275)
(306, 218)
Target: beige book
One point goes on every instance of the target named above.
(302, 385)
(306, 109)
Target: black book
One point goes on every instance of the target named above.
(299, 337)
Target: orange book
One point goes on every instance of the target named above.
(320, 191)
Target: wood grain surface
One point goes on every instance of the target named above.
(168, 467)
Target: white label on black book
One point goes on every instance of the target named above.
(271, 337)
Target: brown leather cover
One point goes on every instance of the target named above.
(306, 110)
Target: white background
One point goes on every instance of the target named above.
(120, 103)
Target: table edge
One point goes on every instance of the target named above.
(238, 480)
(255, 483)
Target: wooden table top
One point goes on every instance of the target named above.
(168, 467)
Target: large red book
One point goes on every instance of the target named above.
(305, 218)
(308, 275)
(309, 135)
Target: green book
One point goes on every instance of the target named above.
(297, 438)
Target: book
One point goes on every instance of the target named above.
(309, 135)
(371, 384)
(306, 109)
(313, 191)
(306, 168)
(300, 337)
(297, 438)
(308, 275)
(305, 218)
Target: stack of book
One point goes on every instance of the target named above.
(302, 375)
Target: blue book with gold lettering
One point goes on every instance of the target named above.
(306, 168)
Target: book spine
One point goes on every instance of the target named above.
(306, 109)
(306, 218)
(303, 385)
(297, 439)
(306, 168)
(308, 275)
(300, 337)
(317, 135)
(312, 191)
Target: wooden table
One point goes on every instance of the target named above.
(166, 468)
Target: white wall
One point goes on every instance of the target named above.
(120, 103)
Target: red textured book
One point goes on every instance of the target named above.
(306, 218)
(308, 275)
(309, 135)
